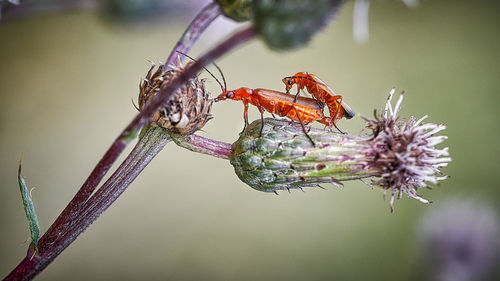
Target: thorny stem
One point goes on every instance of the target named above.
(76, 219)
(193, 32)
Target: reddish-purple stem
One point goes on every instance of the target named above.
(193, 32)
(88, 187)
(190, 36)
(124, 175)
(204, 145)
(148, 146)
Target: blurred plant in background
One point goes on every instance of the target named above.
(360, 18)
(122, 10)
(460, 240)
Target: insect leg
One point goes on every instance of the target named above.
(335, 125)
(339, 112)
(261, 121)
(297, 94)
(245, 116)
(302, 125)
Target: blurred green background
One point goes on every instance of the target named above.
(66, 83)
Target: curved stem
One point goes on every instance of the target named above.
(190, 36)
(85, 212)
(148, 146)
(193, 32)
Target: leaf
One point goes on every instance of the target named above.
(288, 24)
(29, 208)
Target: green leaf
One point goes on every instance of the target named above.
(29, 208)
(288, 24)
(238, 10)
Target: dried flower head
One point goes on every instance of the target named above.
(398, 156)
(187, 111)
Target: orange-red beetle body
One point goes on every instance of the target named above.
(324, 94)
(304, 110)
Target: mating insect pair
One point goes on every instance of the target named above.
(301, 109)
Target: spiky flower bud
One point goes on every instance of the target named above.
(187, 111)
(398, 156)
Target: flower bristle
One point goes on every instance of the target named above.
(404, 152)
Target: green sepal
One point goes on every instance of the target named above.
(29, 208)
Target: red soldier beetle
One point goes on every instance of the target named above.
(324, 94)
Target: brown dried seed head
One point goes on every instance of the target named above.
(187, 111)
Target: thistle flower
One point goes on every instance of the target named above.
(398, 156)
(404, 153)
(187, 111)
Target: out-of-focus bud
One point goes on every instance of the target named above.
(291, 24)
(238, 10)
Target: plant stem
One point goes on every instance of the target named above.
(203, 145)
(150, 144)
(193, 32)
(80, 216)
(88, 187)
(190, 36)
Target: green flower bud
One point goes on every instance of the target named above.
(284, 158)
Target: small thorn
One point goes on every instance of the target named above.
(32, 256)
(363, 181)
(135, 104)
(320, 186)
(336, 181)
(33, 188)
(287, 188)
(302, 189)
(275, 192)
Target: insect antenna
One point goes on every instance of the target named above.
(222, 75)
(211, 74)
